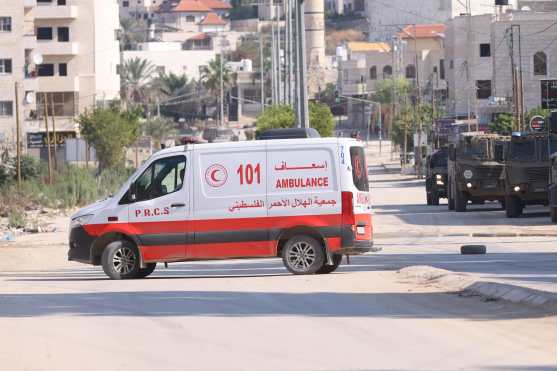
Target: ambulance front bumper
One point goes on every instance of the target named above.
(80, 245)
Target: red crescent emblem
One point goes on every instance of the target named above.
(214, 179)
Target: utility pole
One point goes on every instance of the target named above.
(514, 76)
(54, 133)
(279, 64)
(273, 57)
(262, 69)
(418, 108)
(45, 98)
(17, 135)
(222, 82)
(302, 65)
(289, 53)
(297, 85)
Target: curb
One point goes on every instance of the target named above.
(471, 286)
(486, 235)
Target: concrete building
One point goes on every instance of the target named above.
(386, 17)
(195, 15)
(76, 53)
(172, 57)
(139, 9)
(479, 74)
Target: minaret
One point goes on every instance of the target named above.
(315, 43)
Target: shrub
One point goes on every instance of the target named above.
(16, 218)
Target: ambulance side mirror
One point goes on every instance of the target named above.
(132, 192)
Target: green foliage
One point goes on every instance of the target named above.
(503, 124)
(171, 85)
(328, 96)
(160, 129)
(384, 90)
(30, 167)
(210, 75)
(132, 32)
(402, 123)
(538, 111)
(110, 131)
(282, 116)
(250, 135)
(136, 74)
(5, 175)
(16, 218)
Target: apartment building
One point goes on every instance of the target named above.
(64, 50)
(139, 9)
(195, 15)
(479, 74)
(387, 16)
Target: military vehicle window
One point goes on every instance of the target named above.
(476, 149)
(439, 158)
(523, 151)
(499, 151)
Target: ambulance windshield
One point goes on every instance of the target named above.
(359, 169)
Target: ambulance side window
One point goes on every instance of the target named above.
(163, 177)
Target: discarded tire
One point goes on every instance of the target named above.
(473, 249)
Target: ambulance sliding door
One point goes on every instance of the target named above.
(303, 189)
(230, 203)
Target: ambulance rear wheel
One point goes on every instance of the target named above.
(553, 212)
(144, 272)
(120, 260)
(326, 269)
(303, 255)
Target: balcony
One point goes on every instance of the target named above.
(52, 84)
(29, 3)
(57, 48)
(56, 11)
(31, 84)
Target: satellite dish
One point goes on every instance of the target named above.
(30, 98)
(37, 58)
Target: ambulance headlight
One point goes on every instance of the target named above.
(80, 220)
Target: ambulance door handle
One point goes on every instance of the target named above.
(178, 205)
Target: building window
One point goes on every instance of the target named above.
(63, 34)
(483, 89)
(451, 64)
(410, 71)
(442, 69)
(540, 64)
(63, 69)
(125, 4)
(45, 70)
(44, 33)
(373, 73)
(5, 24)
(387, 71)
(61, 2)
(61, 104)
(5, 66)
(6, 108)
(190, 18)
(485, 50)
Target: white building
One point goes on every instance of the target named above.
(195, 15)
(139, 9)
(386, 17)
(479, 74)
(74, 45)
(171, 57)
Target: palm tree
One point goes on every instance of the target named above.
(132, 32)
(211, 77)
(171, 85)
(136, 75)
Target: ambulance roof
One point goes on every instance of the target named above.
(256, 143)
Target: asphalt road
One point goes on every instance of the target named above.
(253, 315)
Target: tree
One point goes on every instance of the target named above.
(538, 111)
(384, 95)
(282, 116)
(132, 32)
(503, 124)
(403, 123)
(211, 78)
(170, 86)
(109, 131)
(160, 129)
(136, 74)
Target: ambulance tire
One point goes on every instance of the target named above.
(326, 269)
(120, 260)
(144, 272)
(303, 255)
(553, 212)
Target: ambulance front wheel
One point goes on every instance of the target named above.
(120, 260)
(144, 272)
(303, 255)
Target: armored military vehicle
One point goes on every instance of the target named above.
(474, 169)
(436, 176)
(553, 188)
(526, 173)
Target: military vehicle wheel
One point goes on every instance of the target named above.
(429, 199)
(513, 206)
(503, 204)
(553, 211)
(450, 200)
(460, 201)
(435, 199)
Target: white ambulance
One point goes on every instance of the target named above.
(305, 200)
